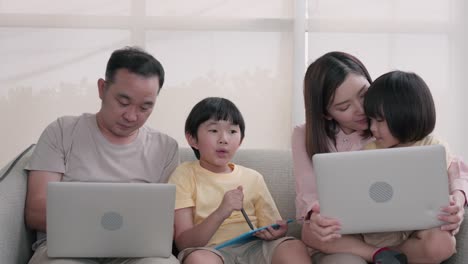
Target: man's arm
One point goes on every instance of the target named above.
(36, 198)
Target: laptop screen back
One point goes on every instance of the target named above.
(110, 219)
(383, 190)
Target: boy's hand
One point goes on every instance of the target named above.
(271, 233)
(232, 201)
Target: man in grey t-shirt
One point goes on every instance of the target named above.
(112, 145)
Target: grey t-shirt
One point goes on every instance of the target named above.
(75, 147)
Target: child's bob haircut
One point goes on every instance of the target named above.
(404, 100)
(215, 108)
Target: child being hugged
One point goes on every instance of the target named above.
(212, 191)
(402, 113)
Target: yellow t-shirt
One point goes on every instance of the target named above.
(204, 190)
(429, 140)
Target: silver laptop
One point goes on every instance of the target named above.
(383, 190)
(110, 219)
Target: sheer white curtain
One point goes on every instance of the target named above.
(54, 51)
(423, 36)
(253, 52)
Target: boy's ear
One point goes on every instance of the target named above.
(191, 141)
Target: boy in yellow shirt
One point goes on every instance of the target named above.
(212, 191)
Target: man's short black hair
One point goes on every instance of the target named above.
(404, 100)
(136, 61)
(215, 108)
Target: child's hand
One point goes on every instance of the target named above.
(232, 201)
(271, 233)
(453, 213)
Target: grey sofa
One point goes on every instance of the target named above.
(275, 165)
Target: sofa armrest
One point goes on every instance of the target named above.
(15, 238)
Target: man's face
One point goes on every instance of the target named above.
(127, 103)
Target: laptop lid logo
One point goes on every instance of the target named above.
(381, 192)
(111, 221)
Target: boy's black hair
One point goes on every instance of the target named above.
(215, 108)
(404, 100)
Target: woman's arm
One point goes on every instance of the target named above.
(318, 230)
(306, 193)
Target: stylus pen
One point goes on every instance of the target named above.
(247, 219)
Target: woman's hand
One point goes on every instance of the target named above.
(319, 229)
(453, 213)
